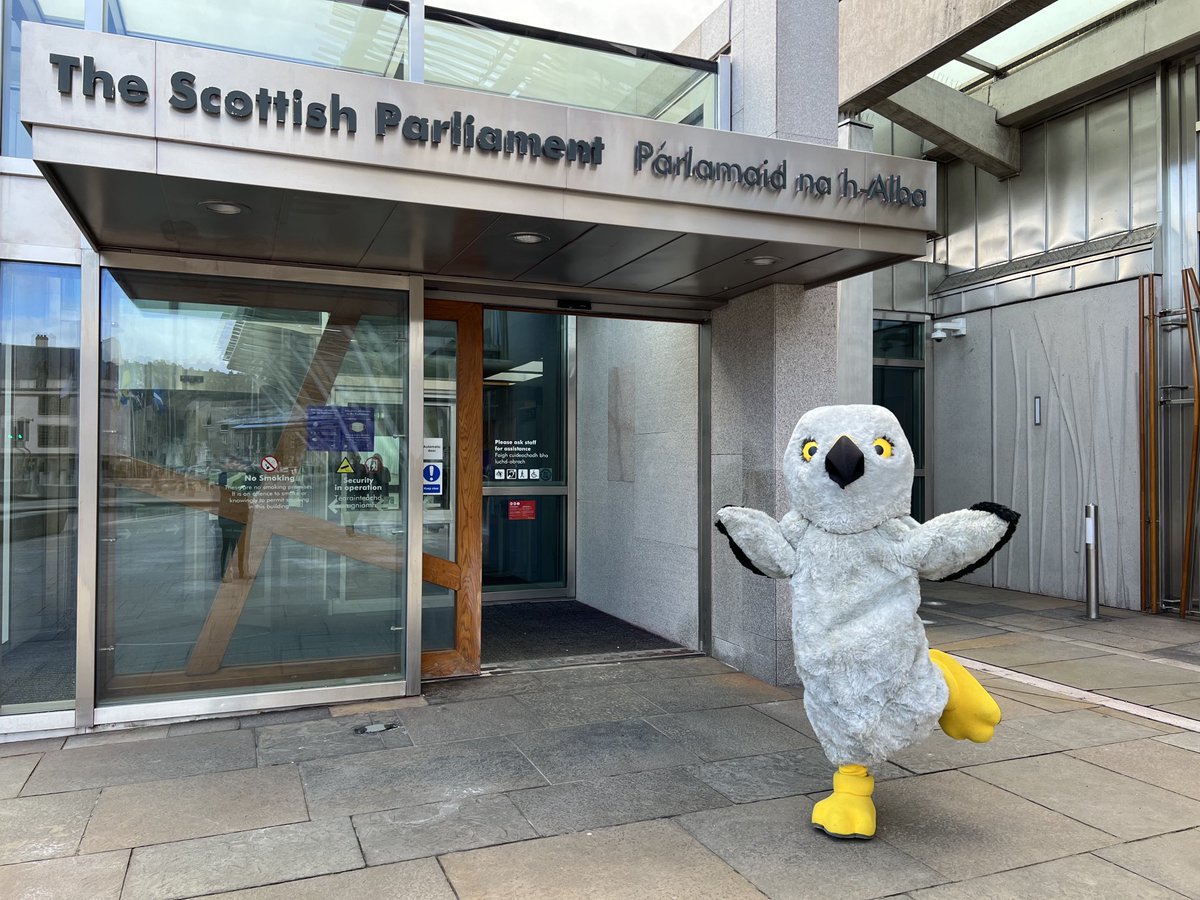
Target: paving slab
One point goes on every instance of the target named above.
(111, 764)
(177, 809)
(1082, 877)
(1115, 639)
(1169, 767)
(605, 748)
(1000, 639)
(1112, 671)
(1013, 709)
(284, 716)
(1155, 694)
(1091, 794)
(118, 736)
(1031, 621)
(1036, 697)
(98, 876)
(14, 771)
(774, 845)
(245, 859)
(686, 667)
(458, 689)
(1189, 708)
(434, 828)
(468, 720)
(411, 776)
(709, 692)
(642, 861)
(964, 827)
(21, 748)
(943, 634)
(938, 753)
(420, 879)
(791, 713)
(1188, 740)
(774, 775)
(42, 827)
(300, 741)
(729, 732)
(1038, 602)
(204, 726)
(373, 707)
(1082, 728)
(1172, 860)
(615, 800)
(584, 704)
(1029, 652)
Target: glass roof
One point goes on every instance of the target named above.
(1045, 27)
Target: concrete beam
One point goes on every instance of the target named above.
(1125, 47)
(886, 45)
(962, 125)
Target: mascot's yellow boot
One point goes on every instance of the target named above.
(848, 812)
(970, 713)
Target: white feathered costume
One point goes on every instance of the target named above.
(854, 556)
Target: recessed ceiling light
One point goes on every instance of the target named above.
(224, 207)
(528, 237)
(763, 260)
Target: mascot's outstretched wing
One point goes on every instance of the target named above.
(956, 543)
(760, 543)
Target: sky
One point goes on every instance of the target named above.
(658, 25)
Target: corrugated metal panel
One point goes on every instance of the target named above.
(960, 215)
(991, 204)
(1143, 163)
(1028, 195)
(1108, 165)
(1066, 180)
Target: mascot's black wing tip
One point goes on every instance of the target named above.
(1005, 515)
(737, 551)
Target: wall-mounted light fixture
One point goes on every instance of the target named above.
(1037, 410)
(947, 328)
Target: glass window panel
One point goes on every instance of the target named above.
(252, 492)
(14, 139)
(438, 623)
(319, 32)
(482, 59)
(956, 74)
(524, 542)
(524, 398)
(39, 399)
(901, 389)
(1057, 19)
(898, 340)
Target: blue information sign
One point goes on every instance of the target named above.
(341, 428)
(432, 474)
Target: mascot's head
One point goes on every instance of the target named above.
(849, 468)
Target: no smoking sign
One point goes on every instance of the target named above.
(269, 463)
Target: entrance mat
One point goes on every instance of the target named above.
(555, 628)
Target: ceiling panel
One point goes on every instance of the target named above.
(494, 254)
(737, 270)
(596, 253)
(673, 261)
(122, 209)
(417, 238)
(251, 234)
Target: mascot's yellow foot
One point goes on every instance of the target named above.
(970, 713)
(848, 812)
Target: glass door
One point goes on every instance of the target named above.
(253, 516)
(452, 489)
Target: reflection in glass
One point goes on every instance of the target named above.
(39, 393)
(478, 57)
(14, 139)
(252, 498)
(524, 542)
(340, 35)
(901, 389)
(524, 399)
(439, 451)
(898, 339)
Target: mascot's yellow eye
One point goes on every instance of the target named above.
(809, 450)
(883, 447)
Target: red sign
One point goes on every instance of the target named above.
(522, 509)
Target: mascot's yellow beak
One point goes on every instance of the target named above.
(844, 462)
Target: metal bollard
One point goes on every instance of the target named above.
(1091, 561)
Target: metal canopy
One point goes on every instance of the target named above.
(136, 177)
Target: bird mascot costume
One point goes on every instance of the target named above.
(854, 556)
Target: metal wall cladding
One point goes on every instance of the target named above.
(1087, 174)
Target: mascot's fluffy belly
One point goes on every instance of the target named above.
(860, 648)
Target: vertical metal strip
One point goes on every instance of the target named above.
(93, 14)
(415, 505)
(88, 481)
(1143, 504)
(572, 452)
(704, 509)
(724, 93)
(415, 70)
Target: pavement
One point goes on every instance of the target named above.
(654, 779)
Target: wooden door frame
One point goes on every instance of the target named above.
(464, 574)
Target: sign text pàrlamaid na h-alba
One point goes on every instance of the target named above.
(461, 132)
